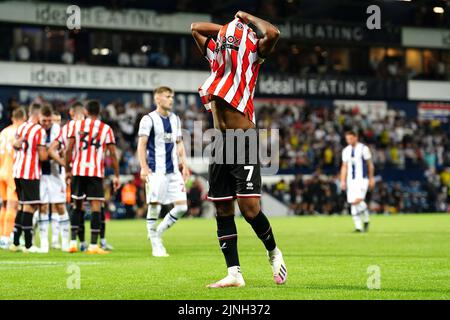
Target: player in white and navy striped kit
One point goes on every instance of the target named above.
(160, 151)
(357, 175)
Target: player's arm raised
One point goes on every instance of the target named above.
(344, 169)
(201, 31)
(142, 155)
(271, 34)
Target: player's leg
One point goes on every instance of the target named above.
(43, 215)
(353, 200)
(3, 206)
(104, 244)
(54, 222)
(155, 189)
(221, 192)
(95, 196)
(176, 194)
(64, 224)
(227, 236)
(248, 192)
(44, 221)
(31, 193)
(82, 228)
(57, 199)
(11, 212)
(78, 195)
(251, 210)
(27, 227)
(362, 206)
(15, 246)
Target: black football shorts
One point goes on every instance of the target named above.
(234, 169)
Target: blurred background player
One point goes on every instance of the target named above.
(161, 151)
(357, 175)
(91, 138)
(57, 149)
(52, 189)
(30, 151)
(7, 185)
(235, 55)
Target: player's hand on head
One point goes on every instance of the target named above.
(242, 15)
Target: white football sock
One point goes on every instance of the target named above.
(64, 227)
(234, 271)
(356, 217)
(43, 229)
(55, 227)
(364, 211)
(152, 216)
(172, 217)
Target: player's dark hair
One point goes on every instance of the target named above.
(46, 111)
(19, 113)
(351, 133)
(93, 107)
(34, 107)
(76, 104)
(162, 89)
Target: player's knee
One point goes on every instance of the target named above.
(249, 208)
(225, 208)
(179, 210)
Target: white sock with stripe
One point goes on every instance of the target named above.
(64, 226)
(172, 217)
(356, 217)
(152, 216)
(55, 227)
(43, 229)
(364, 211)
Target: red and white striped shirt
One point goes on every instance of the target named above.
(91, 138)
(62, 137)
(235, 64)
(26, 159)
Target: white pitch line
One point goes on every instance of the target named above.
(48, 263)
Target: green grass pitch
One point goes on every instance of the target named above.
(325, 260)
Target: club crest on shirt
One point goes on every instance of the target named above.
(167, 137)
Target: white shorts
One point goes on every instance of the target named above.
(165, 188)
(52, 189)
(357, 189)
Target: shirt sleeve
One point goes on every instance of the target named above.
(145, 126)
(345, 156)
(367, 155)
(42, 138)
(110, 139)
(210, 46)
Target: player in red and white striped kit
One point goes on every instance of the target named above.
(30, 150)
(235, 54)
(91, 138)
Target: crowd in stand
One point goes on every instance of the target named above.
(311, 141)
